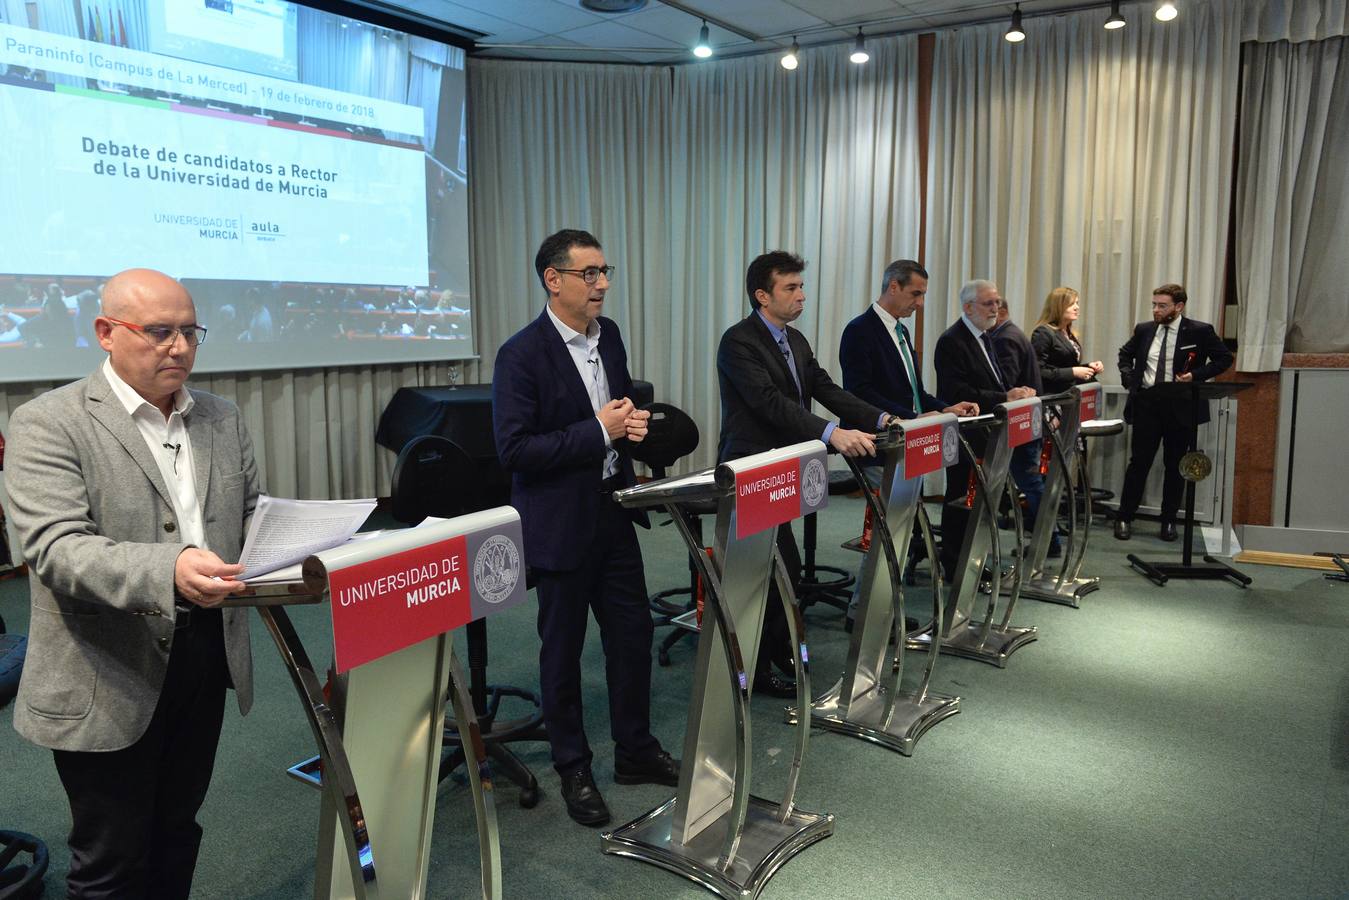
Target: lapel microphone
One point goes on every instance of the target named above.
(175, 448)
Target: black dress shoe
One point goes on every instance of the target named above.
(661, 768)
(1123, 531)
(1168, 531)
(584, 803)
(774, 685)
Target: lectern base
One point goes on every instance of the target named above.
(1159, 573)
(866, 716)
(965, 641)
(1047, 588)
(765, 845)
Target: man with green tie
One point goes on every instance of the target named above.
(880, 364)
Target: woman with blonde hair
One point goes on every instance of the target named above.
(1057, 346)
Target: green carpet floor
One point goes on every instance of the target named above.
(1187, 741)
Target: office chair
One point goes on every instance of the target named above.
(435, 477)
(671, 436)
(20, 877)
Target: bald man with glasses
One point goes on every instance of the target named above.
(129, 492)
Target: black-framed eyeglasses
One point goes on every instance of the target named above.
(590, 274)
(165, 335)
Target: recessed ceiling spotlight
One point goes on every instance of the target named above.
(613, 6)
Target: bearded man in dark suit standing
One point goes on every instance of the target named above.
(1169, 348)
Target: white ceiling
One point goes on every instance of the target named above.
(664, 30)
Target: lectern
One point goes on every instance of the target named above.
(869, 702)
(1066, 412)
(1195, 466)
(1009, 426)
(394, 600)
(713, 830)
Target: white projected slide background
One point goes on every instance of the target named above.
(294, 212)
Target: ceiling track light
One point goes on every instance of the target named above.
(859, 49)
(703, 49)
(1014, 33)
(789, 59)
(1166, 11)
(1115, 20)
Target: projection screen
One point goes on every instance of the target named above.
(304, 174)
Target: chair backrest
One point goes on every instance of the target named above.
(671, 435)
(433, 477)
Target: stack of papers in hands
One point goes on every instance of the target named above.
(283, 533)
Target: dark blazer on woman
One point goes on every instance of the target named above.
(1057, 356)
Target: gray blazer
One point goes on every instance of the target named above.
(97, 530)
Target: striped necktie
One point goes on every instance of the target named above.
(791, 365)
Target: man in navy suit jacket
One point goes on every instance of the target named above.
(880, 364)
(877, 355)
(564, 422)
(1188, 350)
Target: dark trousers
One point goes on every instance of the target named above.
(1155, 422)
(134, 811)
(955, 516)
(775, 643)
(611, 583)
(1025, 472)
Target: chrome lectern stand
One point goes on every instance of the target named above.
(868, 701)
(986, 640)
(395, 670)
(1077, 404)
(342, 808)
(713, 830)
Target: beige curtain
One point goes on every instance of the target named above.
(1095, 159)
(685, 175)
(1292, 196)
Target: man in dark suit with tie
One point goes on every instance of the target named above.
(877, 355)
(967, 369)
(564, 422)
(769, 378)
(1169, 348)
(880, 364)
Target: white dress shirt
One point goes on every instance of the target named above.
(585, 354)
(891, 326)
(1150, 371)
(175, 465)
